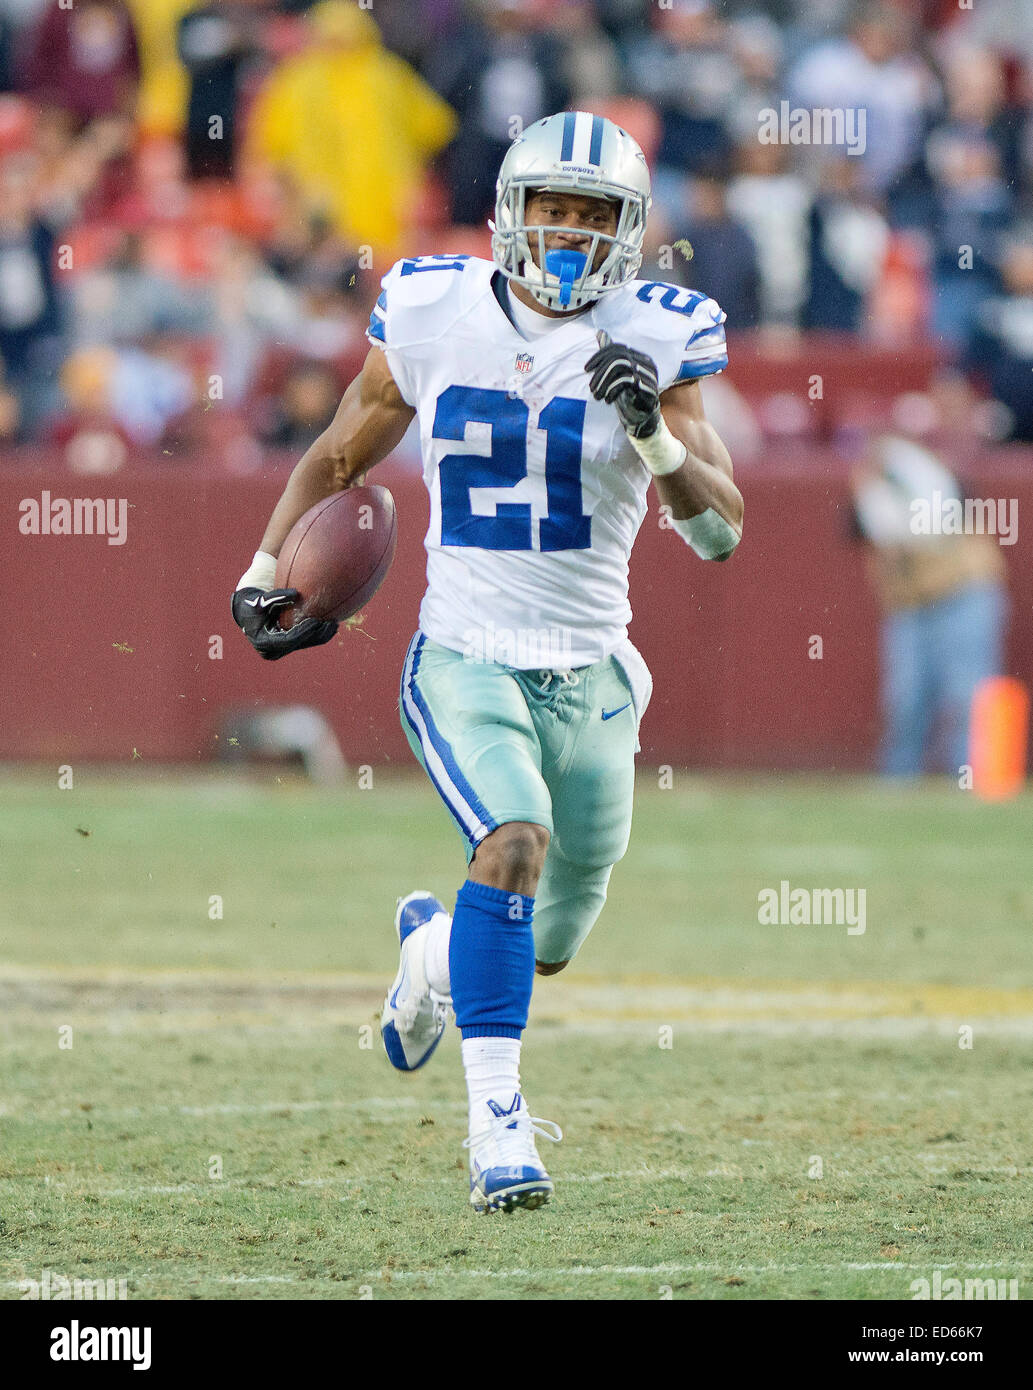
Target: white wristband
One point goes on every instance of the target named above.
(261, 573)
(661, 452)
(708, 534)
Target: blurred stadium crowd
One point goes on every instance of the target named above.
(197, 199)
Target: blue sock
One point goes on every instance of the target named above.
(491, 961)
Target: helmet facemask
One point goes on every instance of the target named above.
(563, 285)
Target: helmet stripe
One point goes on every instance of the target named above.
(597, 140)
(569, 124)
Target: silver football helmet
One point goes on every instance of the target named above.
(572, 152)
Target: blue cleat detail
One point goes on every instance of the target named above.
(414, 911)
(412, 1021)
(505, 1170)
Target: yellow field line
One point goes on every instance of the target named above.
(648, 996)
(709, 998)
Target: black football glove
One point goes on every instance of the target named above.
(627, 379)
(257, 611)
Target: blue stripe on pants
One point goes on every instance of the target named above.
(464, 804)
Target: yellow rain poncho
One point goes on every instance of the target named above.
(164, 84)
(353, 125)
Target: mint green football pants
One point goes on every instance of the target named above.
(506, 745)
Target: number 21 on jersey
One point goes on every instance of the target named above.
(564, 527)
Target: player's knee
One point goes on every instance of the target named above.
(512, 857)
(550, 967)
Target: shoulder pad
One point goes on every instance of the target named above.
(681, 329)
(413, 295)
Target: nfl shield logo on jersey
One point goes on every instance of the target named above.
(524, 361)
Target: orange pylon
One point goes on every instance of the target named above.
(998, 735)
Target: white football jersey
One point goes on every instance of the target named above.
(536, 495)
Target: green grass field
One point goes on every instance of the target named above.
(225, 1125)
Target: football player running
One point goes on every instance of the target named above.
(551, 388)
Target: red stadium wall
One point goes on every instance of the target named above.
(111, 643)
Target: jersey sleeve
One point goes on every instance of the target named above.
(682, 330)
(417, 296)
(384, 325)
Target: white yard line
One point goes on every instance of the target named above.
(391, 1276)
(699, 1268)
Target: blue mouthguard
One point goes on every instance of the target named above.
(566, 266)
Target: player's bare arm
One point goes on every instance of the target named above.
(370, 422)
(368, 425)
(704, 480)
(673, 438)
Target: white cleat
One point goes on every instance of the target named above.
(412, 1021)
(505, 1170)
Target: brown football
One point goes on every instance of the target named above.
(337, 554)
